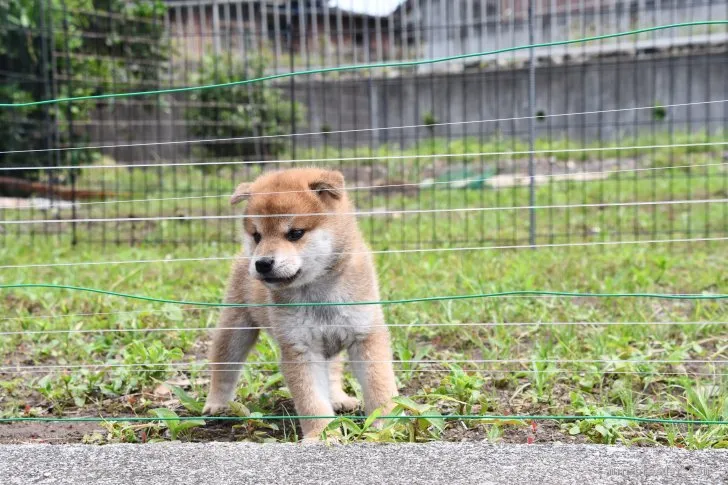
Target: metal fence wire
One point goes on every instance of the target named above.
(616, 139)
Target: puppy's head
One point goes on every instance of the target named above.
(297, 222)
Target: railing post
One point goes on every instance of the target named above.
(69, 122)
(531, 128)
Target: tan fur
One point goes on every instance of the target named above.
(333, 263)
(340, 400)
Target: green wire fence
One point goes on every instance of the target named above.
(524, 293)
(478, 417)
(529, 293)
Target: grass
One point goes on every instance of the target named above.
(474, 149)
(691, 180)
(632, 385)
(535, 356)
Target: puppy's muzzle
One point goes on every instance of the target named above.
(264, 265)
(267, 272)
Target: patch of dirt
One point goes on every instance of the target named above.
(53, 433)
(542, 432)
(21, 306)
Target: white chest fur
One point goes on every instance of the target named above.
(322, 330)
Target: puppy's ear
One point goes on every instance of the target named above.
(242, 192)
(328, 184)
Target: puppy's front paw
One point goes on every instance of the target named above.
(344, 402)
(212, 408)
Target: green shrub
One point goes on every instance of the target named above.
(239, 110)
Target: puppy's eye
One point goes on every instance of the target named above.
(295, 234)
(256, 237)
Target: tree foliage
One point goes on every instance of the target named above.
(69, 48)
(239, 110)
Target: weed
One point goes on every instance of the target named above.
(344, 428)
(190, 403)
(176, 426)
(144, 364)
(125, 432)
(423, 421)
(464, 387)
(704, 401)
(410, 353)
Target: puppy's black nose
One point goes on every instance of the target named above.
(264, 265)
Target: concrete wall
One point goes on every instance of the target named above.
(459, 26)
(605, 84)
(361, 104)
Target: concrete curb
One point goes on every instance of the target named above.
(450, 463)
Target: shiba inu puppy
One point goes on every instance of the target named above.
(302, 244)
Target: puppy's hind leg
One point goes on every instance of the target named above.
(230, 347)
(340, 400)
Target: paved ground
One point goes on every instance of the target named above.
(446, 463)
